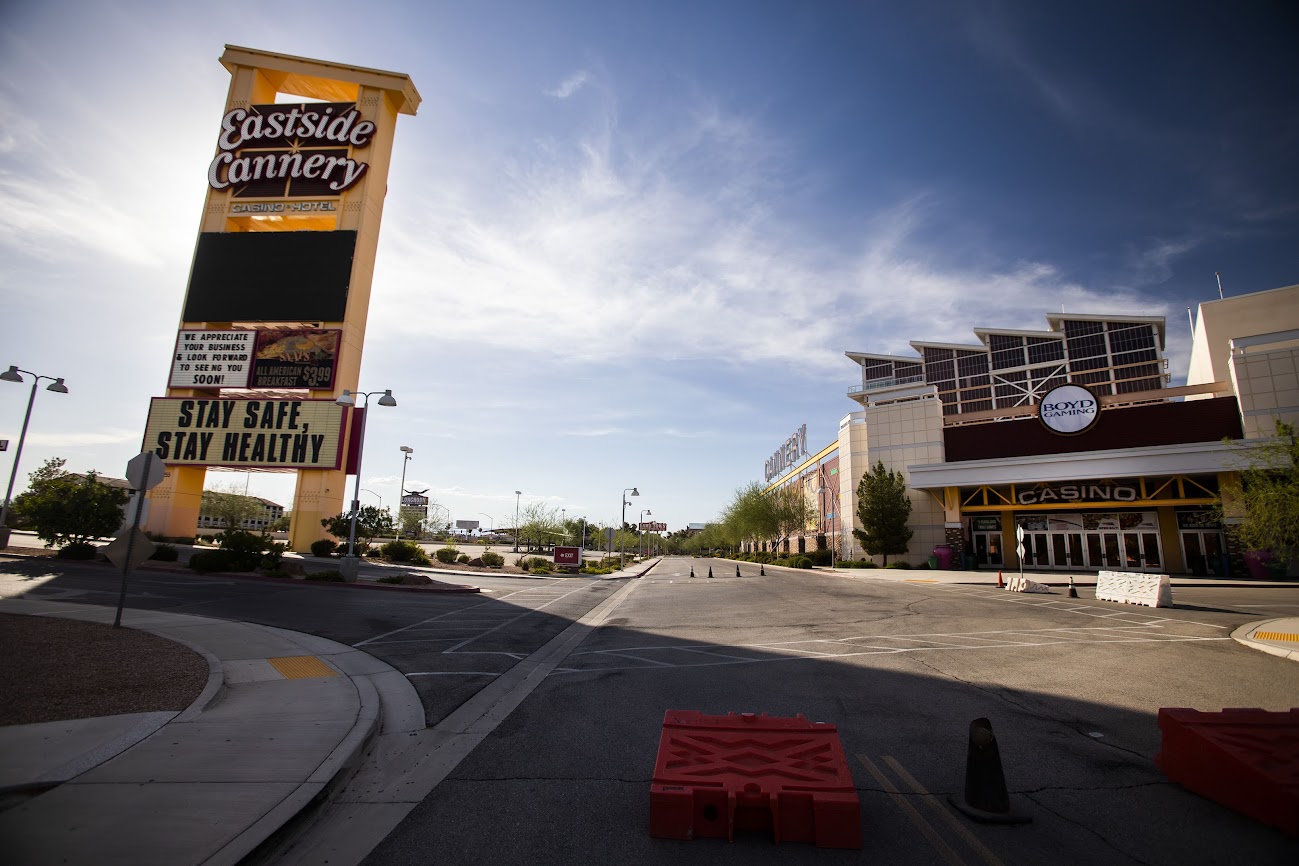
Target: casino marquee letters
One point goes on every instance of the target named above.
(269, 434)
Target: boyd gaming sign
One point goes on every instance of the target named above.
(1069, 410)
(290, 151)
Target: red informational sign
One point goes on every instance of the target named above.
(653, 527)
(568, 556)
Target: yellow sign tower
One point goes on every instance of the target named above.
(274, 319)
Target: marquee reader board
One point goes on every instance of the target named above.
(265, 434)
(212, 358)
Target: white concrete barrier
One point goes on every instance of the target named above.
(1026, 584)
(1133, 587)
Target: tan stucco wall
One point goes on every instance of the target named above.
(1219, 322)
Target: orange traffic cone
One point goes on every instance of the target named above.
(1001, 584)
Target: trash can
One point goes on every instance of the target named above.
(943, 555)
(933, 562)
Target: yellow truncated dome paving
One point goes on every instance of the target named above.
(1276, 635)
(302, 667)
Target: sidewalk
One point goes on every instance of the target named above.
(283, 717)
(1280, 636)
(988, 577)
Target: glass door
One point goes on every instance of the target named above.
(1036, 551)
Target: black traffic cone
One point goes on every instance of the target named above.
(1073, 591)
(692, 571)
(762, 569)
(710, 571)
(737, 569)
(986, 799)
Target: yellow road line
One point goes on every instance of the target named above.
(302, 667)
(922, 825)
(1276, 635)
(952, 821)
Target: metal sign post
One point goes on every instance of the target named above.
(144, 472)
(1019, 548)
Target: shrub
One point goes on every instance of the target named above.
(274, 555)
(323, 547)
(77, 550)
(207, 561)
(802, 562)
(405, 551)
(245, 549)
(492, 560)
(538, 562)
(524, 562)
(446, 555)
(821, 557)
(903, 564)
(276, 572)
(462, 558)
(166, 553)
(331, 576)
(543, 568)
(392, 578)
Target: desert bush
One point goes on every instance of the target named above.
(323, 547)
(899, 564)
(77, 550)
(392, 578)
(207, 561)
(405, 551)
(446, 555)
(463, 558)
(331, 576)
(166, 553)
(492, 560)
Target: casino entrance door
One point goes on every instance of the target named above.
(1109, 541)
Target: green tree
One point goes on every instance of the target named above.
(540, 526)
(882, 511)
(412, 523)
(65, 508)
(1268, 492)
(229, 508)
(371, 522)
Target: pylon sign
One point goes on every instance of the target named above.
(279, 285)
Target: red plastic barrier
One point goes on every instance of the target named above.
(1245, 759)
(717, 774)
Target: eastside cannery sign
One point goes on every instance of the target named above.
(290, 151)
(788, 454)
(268, 434)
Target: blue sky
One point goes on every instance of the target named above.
(628, 243)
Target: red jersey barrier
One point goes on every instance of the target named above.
(718, 774)
(1245, 759)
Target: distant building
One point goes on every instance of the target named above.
(270, 512)
(1070, 435)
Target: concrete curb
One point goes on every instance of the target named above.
(1242, 636)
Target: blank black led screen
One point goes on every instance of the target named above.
(270, 276)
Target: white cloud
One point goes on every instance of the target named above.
(77, 440)
(570, 85)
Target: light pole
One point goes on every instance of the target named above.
(638, 527)
(517, 494)
(57, 386)
(622, 548)
(583, 545)
(401, 491)
(375, 495)
(491, 524)
(350, 566)
(826, 522)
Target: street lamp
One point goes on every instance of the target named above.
(517, 494)
(350, 566)
(491, 524)
(401, 491)
(638, 526)
(826, 523)
(583, 545)
(622, 548)
(57, 386)
(375, 495)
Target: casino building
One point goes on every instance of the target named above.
(1071, 432)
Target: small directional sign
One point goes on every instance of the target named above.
(1019, 532)
(1019, 551)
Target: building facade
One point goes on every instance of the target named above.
(991, 439)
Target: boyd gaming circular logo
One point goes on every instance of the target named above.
(1069, 410)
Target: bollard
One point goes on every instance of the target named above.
(986, 798)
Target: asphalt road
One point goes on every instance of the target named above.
(1071, 687)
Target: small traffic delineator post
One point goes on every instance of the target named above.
(737, 569)
(1001, 584)
(986, 799)
(710, 571)
(1073, 591)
